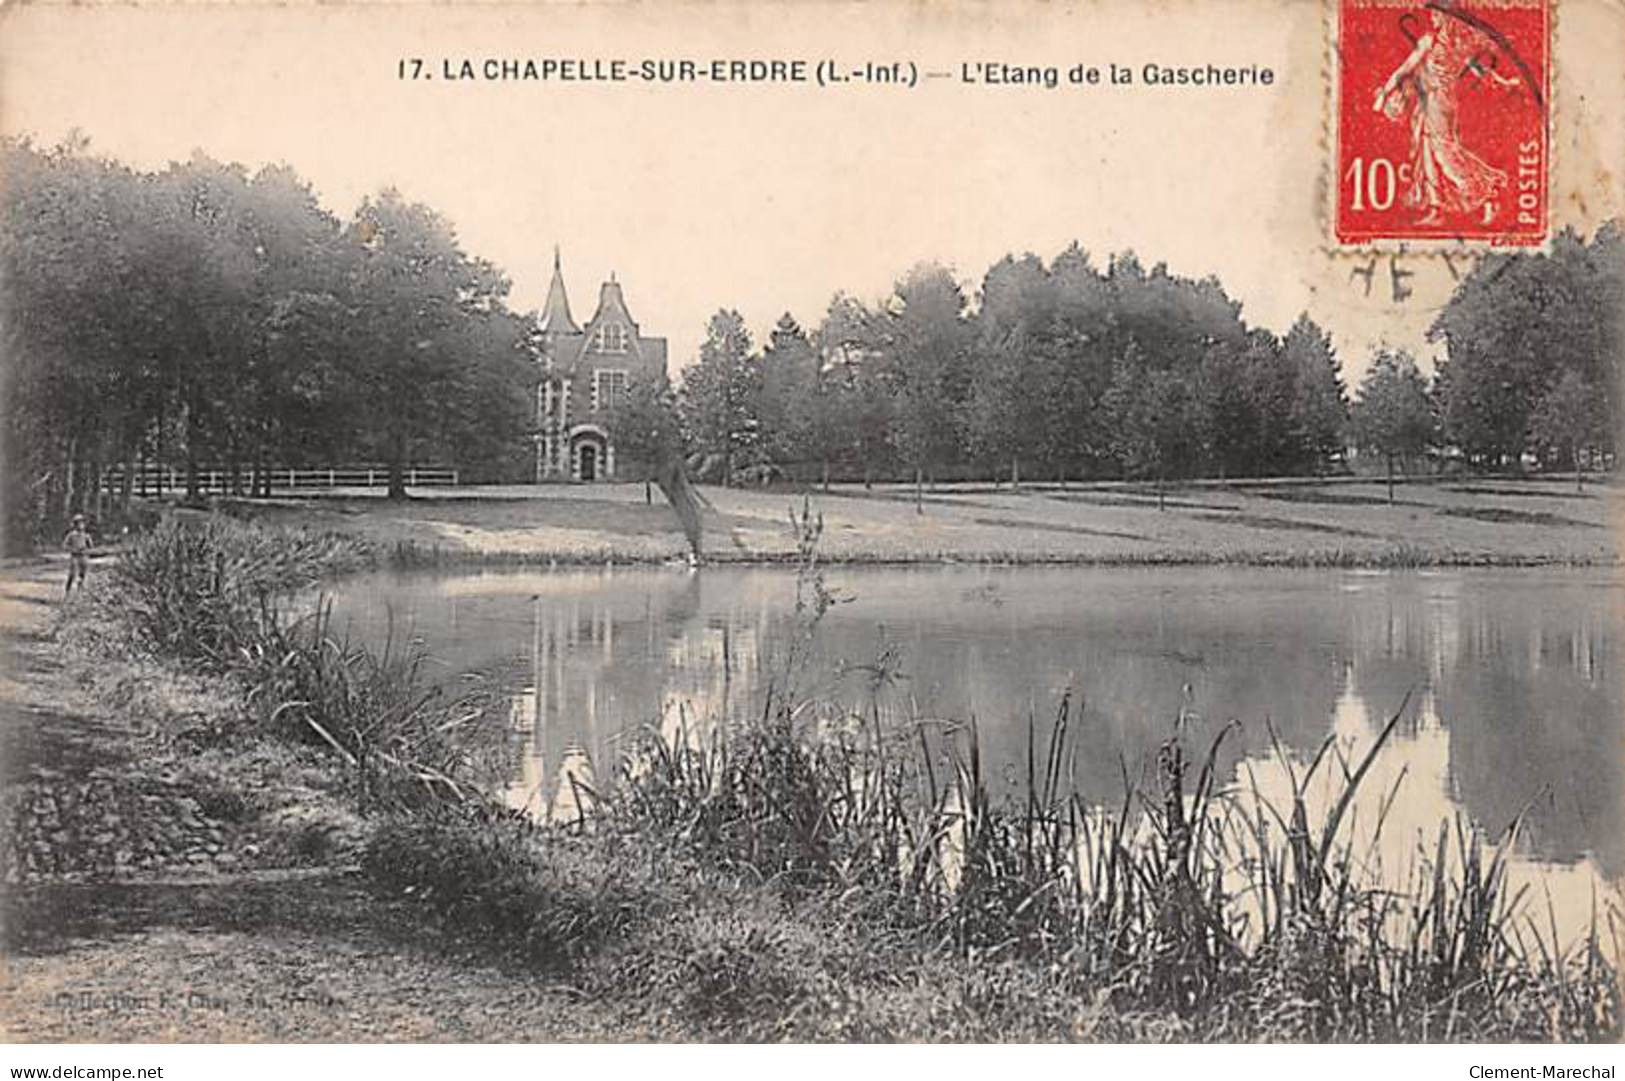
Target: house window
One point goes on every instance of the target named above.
(609, 390)
(612, 338)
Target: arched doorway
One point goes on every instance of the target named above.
(591, 456)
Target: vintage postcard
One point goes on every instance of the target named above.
(814, 522)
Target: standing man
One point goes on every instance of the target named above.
(78, 544)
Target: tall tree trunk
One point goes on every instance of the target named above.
(48, 507)
(1015, 473)
(1162, 499)
(70, 479)
(264, 473)
(54, 510)
(1579, 477)
(919, 490)
(159, 448)
(127, 487)
(192, 486)
(96, 485)
(397, 466)
(1390, 479)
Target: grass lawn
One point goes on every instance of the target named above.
(1342, 522)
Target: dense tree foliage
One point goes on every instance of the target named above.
(721, 398)
(1569, 420)
(646, 429)
(1054, 371)
(1517, 329)
(204, 317)
(1068, 370)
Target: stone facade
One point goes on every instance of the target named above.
(586, 371)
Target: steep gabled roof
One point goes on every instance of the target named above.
(556, 313)
(611, 308)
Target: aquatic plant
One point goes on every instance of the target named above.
(215, 593)
(1190, 896)
(200, 588)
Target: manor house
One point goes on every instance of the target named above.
(587, 372)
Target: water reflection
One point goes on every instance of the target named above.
(1508, 678)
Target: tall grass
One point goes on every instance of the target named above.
(404, 740)
(1243, 918)
(204, 589)
(216, 593)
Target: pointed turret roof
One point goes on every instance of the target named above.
(556, 314)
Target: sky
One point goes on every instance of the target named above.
(771, 198)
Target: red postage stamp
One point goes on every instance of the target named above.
(1443, 121)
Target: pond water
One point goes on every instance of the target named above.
(1509, 680)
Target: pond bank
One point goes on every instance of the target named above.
(156, 891)
(735, 892)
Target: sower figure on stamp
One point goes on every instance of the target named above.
(1444, 174)
(78, 544)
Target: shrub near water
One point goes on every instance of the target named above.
(214, 593)
(202, 590)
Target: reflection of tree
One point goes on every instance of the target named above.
(1393, 643)
(1517, 667)
(1531, 718)
(1128, 657)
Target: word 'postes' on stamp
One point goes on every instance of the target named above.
(1442, 121)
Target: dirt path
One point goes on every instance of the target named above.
(146, 948)
(259, 958)
(34, 734)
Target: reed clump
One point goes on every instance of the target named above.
(1190, 900)
(200, 589)
(214, 593)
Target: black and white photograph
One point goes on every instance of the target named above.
(812, 523)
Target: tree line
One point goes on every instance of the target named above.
(1068, 370)
(204, 316)
(1057, 371)
(1531, 371)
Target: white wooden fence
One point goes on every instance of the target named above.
(152, 477)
